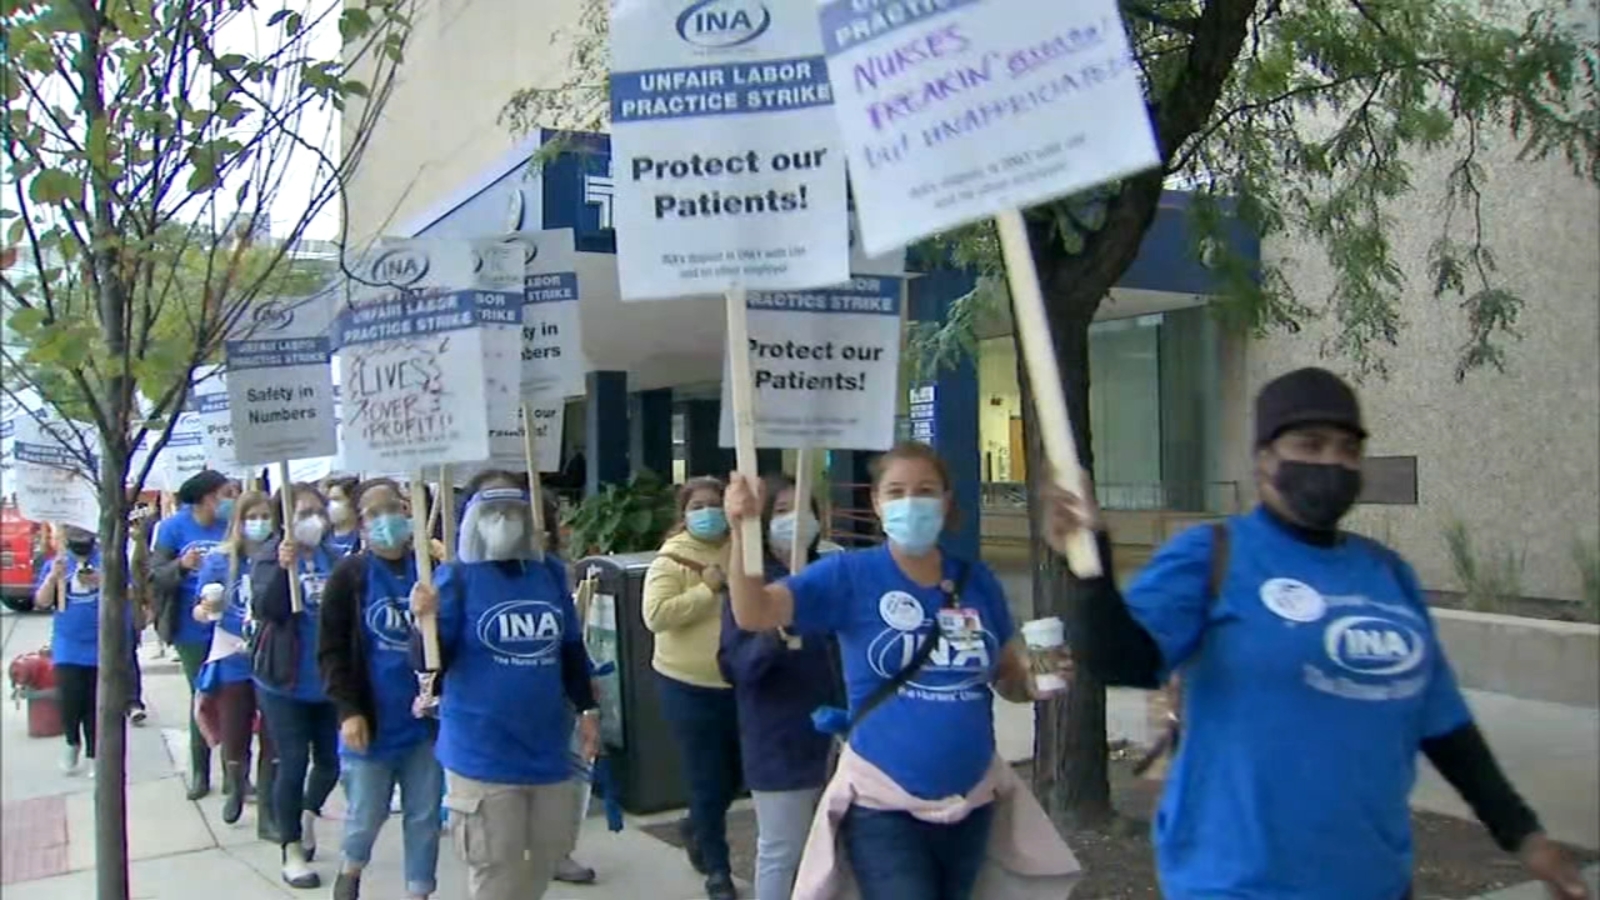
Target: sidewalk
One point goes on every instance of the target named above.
(182, 851)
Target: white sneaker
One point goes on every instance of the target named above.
(297, 871)
(308, 834)
(69, 760)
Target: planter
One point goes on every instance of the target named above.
(1534, 659)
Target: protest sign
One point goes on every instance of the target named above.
(553, 363)
(411, 350)
(549, 416)
(501, 270)
(280, 382)
(56, 466)
(184, 455)
(210, 394)
(728, 169)
(957, 111)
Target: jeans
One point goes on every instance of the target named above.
(705, 725)
(306, 736)
(783, 821)
(76, 690)
(898, 857)
(368, 786)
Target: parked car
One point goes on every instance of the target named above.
(24, 548)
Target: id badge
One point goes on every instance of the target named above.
(962, 628)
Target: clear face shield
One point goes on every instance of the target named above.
(498, 525)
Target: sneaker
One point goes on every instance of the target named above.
(308, 834)
(347, 886)
(570, 871)
(720, 887)
(70, 760)
(137, 715)
(297, 871)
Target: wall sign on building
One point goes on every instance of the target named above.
(920, 412)
(954, 112)
(726, 166)
(280, 383)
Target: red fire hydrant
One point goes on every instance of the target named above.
(33, 678)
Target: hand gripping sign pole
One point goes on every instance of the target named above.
(286, 497)
(427, 626)
(1044, 377)
(744, 421)
(530, 455)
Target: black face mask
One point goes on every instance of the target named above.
(1317, 494)
(81, 548)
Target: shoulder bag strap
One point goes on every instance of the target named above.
(881, 694)
(1220, 558)
(687, 563)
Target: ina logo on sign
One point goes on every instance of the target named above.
(400, 267)
(719, 24)
(272, 316)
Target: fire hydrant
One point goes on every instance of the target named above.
(33, 679)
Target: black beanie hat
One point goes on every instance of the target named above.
(201, 485)
(1308, 396)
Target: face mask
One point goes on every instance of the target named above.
(257, 529)
(389, 531)
(81, 547)
(708, 523)
(790, 529)
(1317, 494)
(308, 532)
(225, 509)
(339, 510)
(501, 536)
(914, 522)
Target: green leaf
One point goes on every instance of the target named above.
(55, 186)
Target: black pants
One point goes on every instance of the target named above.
(305, 736)
(135, 677)
(75, 688)
(705, 726)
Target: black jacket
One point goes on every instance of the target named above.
(275, 654)
(165, 578)
(342, 641)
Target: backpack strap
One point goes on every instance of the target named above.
(686, 562)
(1220, 558)
(882, 693)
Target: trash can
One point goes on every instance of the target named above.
(645, 765)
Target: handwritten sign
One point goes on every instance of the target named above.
(280, 383)
(56, 466)
(727, 166)
(412, 355)
(956, 111)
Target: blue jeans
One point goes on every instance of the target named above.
(705, 726)
(898, 857)
(305, 737)
(369, 785)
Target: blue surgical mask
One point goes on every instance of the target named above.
(389, 531)
(914, 523)
(224, 509)
(708, 523)
(257, 529)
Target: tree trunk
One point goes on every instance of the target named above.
(115, 682)
(1070, 768)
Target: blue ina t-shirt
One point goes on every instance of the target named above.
(313, 572)
(178, 534)
(386, 619)
(75, 628)
(214, 569)
(344, 544)
(1309, 686)
(504, 717)
(881, 617)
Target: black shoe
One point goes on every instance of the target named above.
(233, 788)
(347, 887)
(691, 845)
(200, 785)
(720, 887)
(570, 871)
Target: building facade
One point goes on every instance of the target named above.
(1514, 457)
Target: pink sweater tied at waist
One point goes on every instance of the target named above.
(1026, 858)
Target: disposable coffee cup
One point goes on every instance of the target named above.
(1045, 638)
(212, 594)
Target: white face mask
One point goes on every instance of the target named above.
(501, 535)
(339, 511)
(308, 532)
(791, 528)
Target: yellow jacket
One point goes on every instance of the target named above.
(683, 613)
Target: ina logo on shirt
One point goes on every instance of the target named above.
(390, 622)
(521, 629)
(949, 669)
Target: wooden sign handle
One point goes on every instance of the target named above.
(427, 626)
(1044, 376)
(530, 457)
(444, 510)
(744, 422)
(286, 498)
(802, 506)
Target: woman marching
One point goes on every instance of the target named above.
(225, 600)
(1312, 679)
(364, 654)
(920, 803)
(683, 609)
(779, 680)
(304, 725)
(514, 671)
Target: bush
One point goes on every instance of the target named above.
(1489, 582)
(628, 518)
